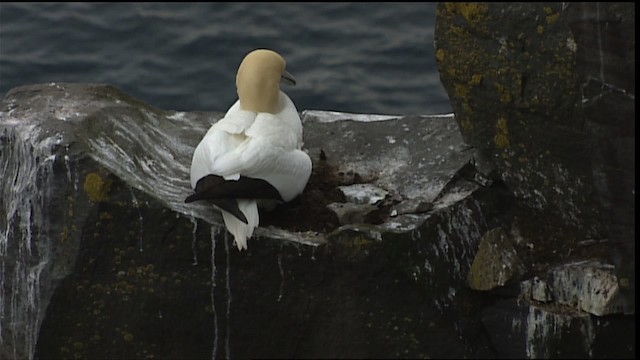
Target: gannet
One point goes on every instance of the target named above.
(253, 154)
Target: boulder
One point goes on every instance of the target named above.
(522, 79)
(542, 91)
(520, 329)
(496, 262)
(101, 255)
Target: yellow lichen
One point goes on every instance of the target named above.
(458, 30)
(476, 79)
(552, 18)
(505, 96)
(547, 10)
(96, 188)
(501, 139)
(540, 29)
(64, 235)
(471, 11)
(501, 125)
(461, 91)
(440, 55)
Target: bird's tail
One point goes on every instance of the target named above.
(241, 231)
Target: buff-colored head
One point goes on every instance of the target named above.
(258, 80)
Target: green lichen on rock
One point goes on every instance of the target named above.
(499, 55)
(520, 71)
(496, 262)
(64, 234)
(96, 188)
(474, 13)
(501, 139)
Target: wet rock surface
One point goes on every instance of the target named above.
(127, 285)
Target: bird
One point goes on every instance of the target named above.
(252, 156)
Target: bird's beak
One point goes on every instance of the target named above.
(287, 78)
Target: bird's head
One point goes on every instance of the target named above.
(258, 80)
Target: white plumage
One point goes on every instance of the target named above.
(260, 137)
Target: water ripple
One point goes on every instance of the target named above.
(353, 57)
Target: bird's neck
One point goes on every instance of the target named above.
(259, 99)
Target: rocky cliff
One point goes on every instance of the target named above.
(504, 229)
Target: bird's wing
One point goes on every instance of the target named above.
(235, 121)
(216, 187)
(223, 137)
(269, 152)
(260, 146)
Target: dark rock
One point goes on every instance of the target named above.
(520, 329)
(542, 92)
(102, 257)
(587, 286)
(510, 73)
(605, 61)
(496, 262)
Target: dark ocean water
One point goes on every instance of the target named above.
(352, 57)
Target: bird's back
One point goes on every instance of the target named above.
(258, 145)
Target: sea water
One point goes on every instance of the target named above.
(375, 58)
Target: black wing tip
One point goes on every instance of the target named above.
(229, 205)
(193, 197)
